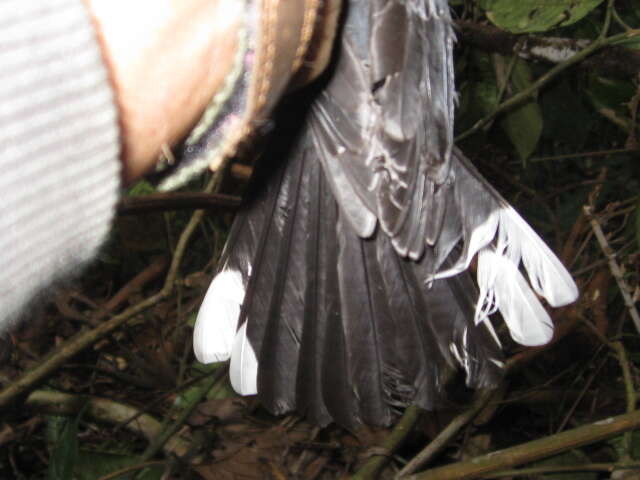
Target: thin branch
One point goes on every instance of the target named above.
(586, 155)
(166, 435)
(177, 201)
(504, 79)
(444, 437)
(163, 398)
(135, 284)
(621, 354)
(620, 21)
(84, 339)
(587, 467)
(581, 395)
(106, 411)
(607, 20)
(613, 60)
(74, 345)
(529, 92)
(485, 465)
(616, 271)
(391, 444)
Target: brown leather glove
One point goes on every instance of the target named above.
(284, 44)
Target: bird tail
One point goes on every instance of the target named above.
(480, 222)
(340, 328)
(343, 292)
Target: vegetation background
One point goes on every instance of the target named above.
(101, 381)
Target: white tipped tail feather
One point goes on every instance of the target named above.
(503, 287)
(216, 336)
(547, 275)
(502, 241)
(243, 369)
(217, 321)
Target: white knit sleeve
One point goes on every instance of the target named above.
(59, 147)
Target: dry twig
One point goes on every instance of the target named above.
(616, 270)
(74, 345)
(391, 444)
(444, 437)
(531, 451)
(107, 411)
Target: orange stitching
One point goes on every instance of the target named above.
(310, 15)
(265, 79)
(243, 130)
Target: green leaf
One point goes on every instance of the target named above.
(523, 125)
(522, 16)
(141, 188)
(633, 42)
(610, 98)
(479, 96)
(62, 433)
(610, 93)
(486, 88)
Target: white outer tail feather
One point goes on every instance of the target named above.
(547, 275)
(243, 369)
(216, 336)
(501, 284)
(217, 321)
(503, 287)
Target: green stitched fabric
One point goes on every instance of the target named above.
(206, 140)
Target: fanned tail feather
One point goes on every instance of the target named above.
(548, 277)
(350, 261)
(243, 368)
(367, 325)
(490, 228)
(220, 312)
(277, 339)
(217, 320)
(321, 301)
(344, 328)
(340, 327)
(503, 287)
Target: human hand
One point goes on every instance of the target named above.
(166, 59)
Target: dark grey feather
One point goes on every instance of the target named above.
(352, 252)
(279, 353)
(384, 121)
(309, 387)
(360, 310)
